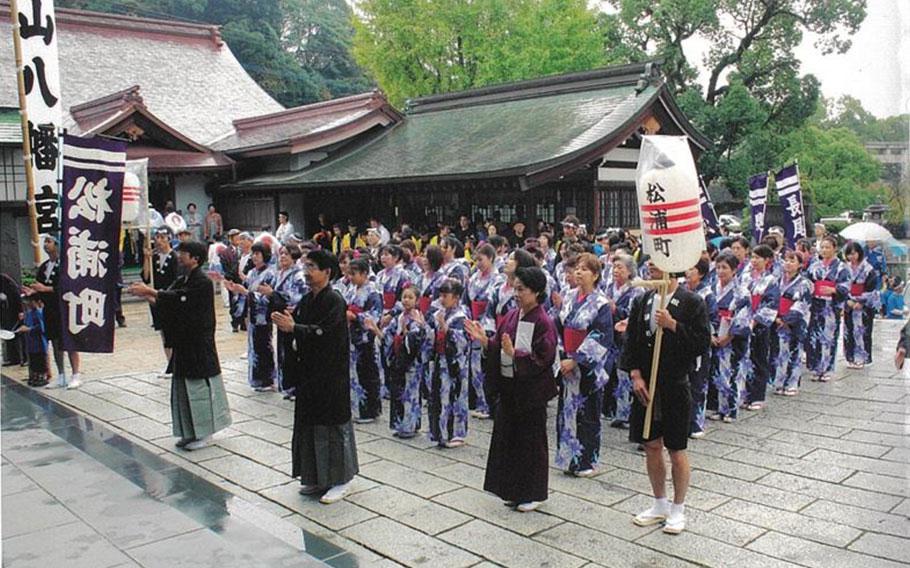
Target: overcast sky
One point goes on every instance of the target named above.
(876, 70)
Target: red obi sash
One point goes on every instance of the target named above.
(573, 338)
(819, 284)
(725, 314)
(478, 309)
(424, 304)
(785, 305)
(356, 310)
(857, 289)
(440, 343)
(397, 343)
(388, 300)
(756, 300)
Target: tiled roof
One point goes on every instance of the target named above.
(518, 129)
(189, 78)
(10, 126)
(293, 128)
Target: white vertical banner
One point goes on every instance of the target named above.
(36, 29)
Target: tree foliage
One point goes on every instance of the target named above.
(297, 50)
(754, 93)
(421, 47)
(835, 169)
(848, 112)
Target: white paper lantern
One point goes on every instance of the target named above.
(132, 188)
(668, 200)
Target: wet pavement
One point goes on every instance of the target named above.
(818, 480)
(76, 494)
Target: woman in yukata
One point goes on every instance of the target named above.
(730, 343)
(477, 297)
(864, 298)
(831, 287)
(621, 292)
(364, 303)
(447, 408)
(697, 282)
(392, 279)
(402, 341)
(764, 296)
(260, 354)
(290, 286)
(791, 324)
(586, 326)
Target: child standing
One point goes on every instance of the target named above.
(36, 343)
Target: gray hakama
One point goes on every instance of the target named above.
(325, 456)
(199, 407)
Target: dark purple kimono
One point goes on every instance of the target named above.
(517, 465)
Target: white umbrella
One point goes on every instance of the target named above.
(865, 231)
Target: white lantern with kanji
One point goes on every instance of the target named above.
(668, 201)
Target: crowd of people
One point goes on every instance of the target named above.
(494, 323)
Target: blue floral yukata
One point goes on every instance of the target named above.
(457, 269)
(290, 286)
(864, 291)
(586, 327)
(701, 375)
(403, 341)
(447, 408)
(825, 315)
(730, 363)
(478, 294)
(764, 296)
(260, 355)
(621, 298)
(364, 302)
(391, 283)
(795, 301)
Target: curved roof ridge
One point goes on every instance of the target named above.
(616, 75)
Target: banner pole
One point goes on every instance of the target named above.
(662, 288)
(26, 138)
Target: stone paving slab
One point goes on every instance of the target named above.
(814, 555)
(425, 516)
(863, 519)
(507, 548)
(408, 546)
(604, 549)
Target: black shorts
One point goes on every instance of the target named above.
(671, 422)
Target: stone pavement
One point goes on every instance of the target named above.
(822, 479)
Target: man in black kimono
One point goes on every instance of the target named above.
(686, 335)
(317, 363)
(199, 405)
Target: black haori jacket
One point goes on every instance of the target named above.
(318, 362)
(187, 309)
(679, 349)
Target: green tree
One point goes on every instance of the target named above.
(848, 112)
(836, 171)
(319, 34)
(418, 47)
(754, 92)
